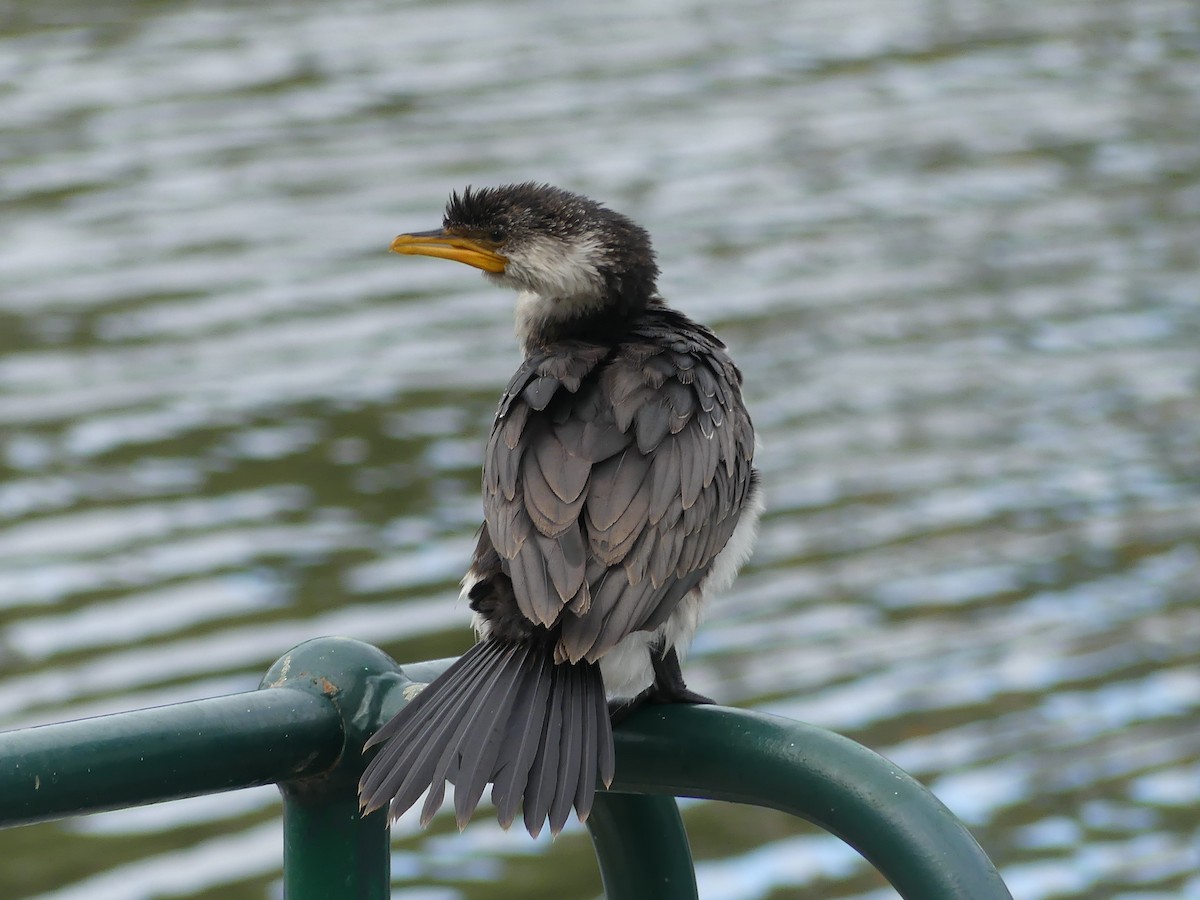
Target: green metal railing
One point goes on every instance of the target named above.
(305, 727)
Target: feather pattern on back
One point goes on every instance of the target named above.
(637, 456)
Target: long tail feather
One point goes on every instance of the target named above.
(417, 734)
(521, 742)
(543, 774)
(570, 751)
(504, 713)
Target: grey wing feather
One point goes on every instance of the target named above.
(531, 585)
(565, 473)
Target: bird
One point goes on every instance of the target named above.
(619, 495)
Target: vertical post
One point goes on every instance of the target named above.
(642, 848)
(330, 851)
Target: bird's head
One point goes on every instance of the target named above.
(570, 256)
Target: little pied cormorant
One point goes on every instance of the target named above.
(619, 493)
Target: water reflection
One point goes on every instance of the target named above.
(955, 248)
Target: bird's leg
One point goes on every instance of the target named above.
(668, 687)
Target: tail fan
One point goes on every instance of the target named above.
(504, 713)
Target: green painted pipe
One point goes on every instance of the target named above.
(165, 753)
(306, 727)
(870, 803)
(642, 848)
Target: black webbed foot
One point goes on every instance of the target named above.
(687, 696)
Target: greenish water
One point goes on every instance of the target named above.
(955, 247)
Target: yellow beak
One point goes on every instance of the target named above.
(450, 246)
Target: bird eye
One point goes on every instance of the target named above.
(497, 235)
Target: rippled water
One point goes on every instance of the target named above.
(955, 247)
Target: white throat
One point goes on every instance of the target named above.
(535, 311)
(555, 281)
